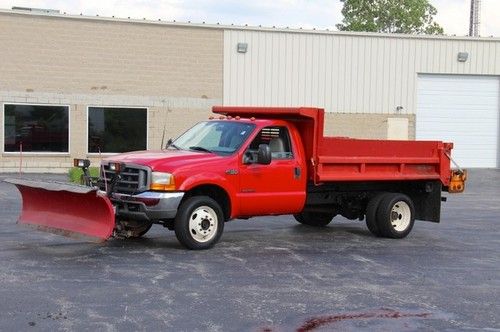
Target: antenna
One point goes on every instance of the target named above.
(164, 130)
(475, 18)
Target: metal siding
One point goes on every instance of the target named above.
(405, 72)
(367, 74)
(343, 73)
(496, 56)
(341, 78)
(378, 77)
(388, 57)
(360, 72)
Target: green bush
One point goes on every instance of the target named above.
(75, 174)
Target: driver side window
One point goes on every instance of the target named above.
(277, 138)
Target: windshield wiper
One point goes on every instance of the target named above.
(200, 148)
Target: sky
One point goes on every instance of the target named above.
(453, 15)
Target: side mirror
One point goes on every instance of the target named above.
(168, 143)
(264, 155)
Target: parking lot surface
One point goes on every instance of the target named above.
(266, 274)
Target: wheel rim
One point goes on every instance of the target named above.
(203, 224)
(400, 216)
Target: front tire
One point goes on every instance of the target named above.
(395, 216)
(199, 223)
(316, 219)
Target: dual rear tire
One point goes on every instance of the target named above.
(390, 215)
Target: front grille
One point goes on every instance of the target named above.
(134, 179)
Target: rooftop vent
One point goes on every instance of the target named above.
(37, 10)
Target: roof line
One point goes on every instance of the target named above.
(55, 14)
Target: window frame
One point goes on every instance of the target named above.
(289, 139)
(95, 154)
(35, 153)
(288, 134)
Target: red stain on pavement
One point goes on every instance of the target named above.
(317, 322)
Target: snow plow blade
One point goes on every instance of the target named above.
(65, 209)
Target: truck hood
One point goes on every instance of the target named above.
(165, 160)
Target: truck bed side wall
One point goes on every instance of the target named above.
(346, 159)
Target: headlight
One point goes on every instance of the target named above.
(81, 163)
(162, 181)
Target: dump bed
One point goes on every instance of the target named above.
(332, 159)
(344, 159)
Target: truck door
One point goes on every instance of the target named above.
(277, 188)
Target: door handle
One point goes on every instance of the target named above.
(297, 172)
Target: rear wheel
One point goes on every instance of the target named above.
(395, 215)
(371, 214)
(317, 219)
(199, 223)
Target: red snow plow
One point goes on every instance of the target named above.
(90, 211)
(66, 209)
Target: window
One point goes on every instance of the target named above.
(117, 129)
(278, 140)
(221, 137)
(36, 128)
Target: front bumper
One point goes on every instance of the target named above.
(147, 206)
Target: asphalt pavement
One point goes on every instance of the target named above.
(266, 274)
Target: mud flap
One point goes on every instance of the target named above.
(65, 209)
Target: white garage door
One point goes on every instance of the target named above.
(463, 110)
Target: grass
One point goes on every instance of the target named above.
(75, 174)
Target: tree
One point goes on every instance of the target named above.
(393, 16)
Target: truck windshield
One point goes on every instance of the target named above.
(220, 137)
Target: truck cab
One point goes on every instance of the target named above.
(248, 167)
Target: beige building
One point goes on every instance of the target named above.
(75, 86)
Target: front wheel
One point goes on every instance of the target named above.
(317, 219)
(199, 223)
(395, 215)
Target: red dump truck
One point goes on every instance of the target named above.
(246, 162)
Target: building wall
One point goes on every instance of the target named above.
(350, 74)
(364, 125)
(174, 71)
(178, 71)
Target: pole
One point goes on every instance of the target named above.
(20, 158)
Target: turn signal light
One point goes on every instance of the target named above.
(162, 187)
(457, 181)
